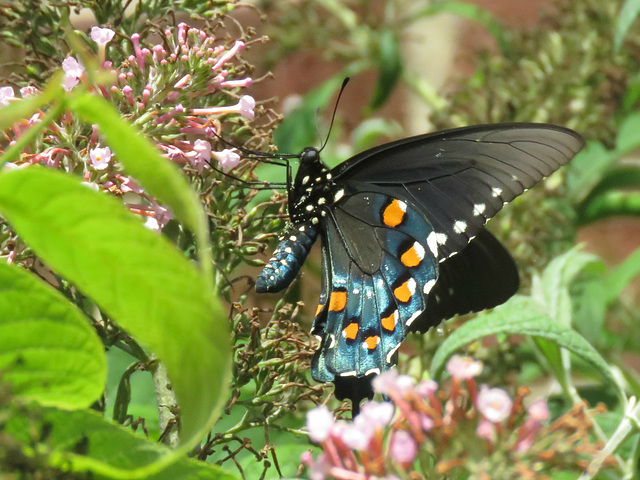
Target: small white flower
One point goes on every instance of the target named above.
(72, 67)
(101, 36)
(494, 404)
(246, 106)
(6, 94)
(227, 159)
(100, 157)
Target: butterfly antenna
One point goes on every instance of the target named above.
(335, 109)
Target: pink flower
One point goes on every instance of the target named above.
(6, 95)
(72, 67)
(129, 185)
(203, 149)
(357, 435)
(227, 159)
(402, 447)
(73, 70)
(426, 388)
(463, 368)
(319, 470)
(320, 422)
(426, 422)
(101, 36)
(159, 218)
(539, 411)
(68, 82)
(246, 106)
(390, 382)
(378, 414)
(28, 91)
(494, 404)
(486, 430)
(100, 157)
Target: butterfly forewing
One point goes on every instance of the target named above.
(461, 178)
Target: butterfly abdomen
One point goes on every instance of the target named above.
(287, 259)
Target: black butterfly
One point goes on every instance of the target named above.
(403, 238)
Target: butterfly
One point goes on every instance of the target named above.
(403, 239)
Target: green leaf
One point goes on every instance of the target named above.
(610, 203)
(552, 290)
(298, 130)
(162, 179)
(586, 169)
(389, 60)
(629, 134)
(627, 16)
(369, 132)
(48, 351)
(135, 275)
(83, 441)
(622, 275)
(519, 316)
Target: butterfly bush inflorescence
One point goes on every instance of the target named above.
(449, 429)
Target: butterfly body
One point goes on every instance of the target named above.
(403, 239)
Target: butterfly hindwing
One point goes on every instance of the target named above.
(379, 270)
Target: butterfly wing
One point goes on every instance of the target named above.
(377, 275)
(461, 178)
(405, 246)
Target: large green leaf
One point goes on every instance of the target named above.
(389, 60)
(48, 350)
(135, 275)
(519, 316)
(83, 441)
(160, 178)
(627, 16)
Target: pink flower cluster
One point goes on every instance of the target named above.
(423, 421)
(176, 92)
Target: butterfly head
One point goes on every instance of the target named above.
(310, 156)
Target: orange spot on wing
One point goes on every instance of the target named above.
(337, 301)
(393, 214)
(411, 257)
(403, 292)
(372, 342)
(319, 309)
(389, 323)
(351, 331)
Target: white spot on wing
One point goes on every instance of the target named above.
(332, 340)
(419, 249)
(496, 192)
(413, 317)
(479, 209)
(348, 374)
(428, 286)
(305, 180)
(372, 370)
(411, 285)
(391, 352)
(339, 194)
(441, 238)
(459, 226)
(432, 243)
